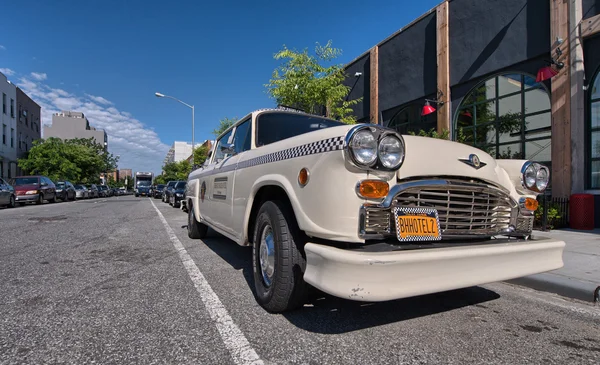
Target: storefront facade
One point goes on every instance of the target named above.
(477, 63)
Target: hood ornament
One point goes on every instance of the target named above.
(473, 161)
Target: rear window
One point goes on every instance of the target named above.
(273, 127)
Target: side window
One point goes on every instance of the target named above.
(219, 155)
(241, 138)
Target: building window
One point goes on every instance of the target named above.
(409, 120)
(20, 140)
(4, 103)
(12, 138)
(3, 133)
(12, 108)
(594, 135)
(508, 116)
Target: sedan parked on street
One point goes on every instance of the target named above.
(158, 190)
(177, 194)
(34, 189)
(81, 192)
(7, 194)
(65, 190)
(93, 190)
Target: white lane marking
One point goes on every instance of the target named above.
(233, 338)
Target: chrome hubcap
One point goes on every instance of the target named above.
(267, 254)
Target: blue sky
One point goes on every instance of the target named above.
(107, 58)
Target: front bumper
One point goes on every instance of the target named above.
(26, 198)
(380, 276)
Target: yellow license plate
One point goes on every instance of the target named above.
(417, 224)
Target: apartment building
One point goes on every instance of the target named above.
(70, 125)
(8, 123)
(28, 123)
(179, 151)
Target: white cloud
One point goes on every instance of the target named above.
(39, 76)
(99, 99)
(140, 147)
(2, 48)
(7, 71)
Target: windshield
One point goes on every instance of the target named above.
(144, 183)
(273, 127)
(26, 181)
(171, 183)
(79, 187)
(180, 185)
(160, 186)
(60, 184)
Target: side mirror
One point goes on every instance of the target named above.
(227, 148)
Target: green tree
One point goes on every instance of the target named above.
(310, 83)
(223, 125)
(176, 171)
(78, 160)
(200, 155)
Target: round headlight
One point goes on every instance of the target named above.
(391, 152)
(364, 147)
(530, 176)
(542, 179)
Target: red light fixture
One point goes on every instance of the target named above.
(427, 109)
(467, 114)
(545, 73)
(548, 72)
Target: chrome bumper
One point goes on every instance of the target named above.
(27, 198)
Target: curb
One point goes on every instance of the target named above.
(581, 290)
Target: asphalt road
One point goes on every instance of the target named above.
(103, 281)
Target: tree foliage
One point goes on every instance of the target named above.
(174, 171)
(223, 125)
(200, 155)
(310, 83)
(78, 160)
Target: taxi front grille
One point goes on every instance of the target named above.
(463, 210)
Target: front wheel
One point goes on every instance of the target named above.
(195, 229)
(277, 259)
(11, 203)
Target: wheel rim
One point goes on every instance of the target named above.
(267, 254)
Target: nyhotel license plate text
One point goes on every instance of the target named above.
(417, 224)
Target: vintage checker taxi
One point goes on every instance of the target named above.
(362, 212)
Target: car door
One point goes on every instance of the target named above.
(228, 150)
(4, 192)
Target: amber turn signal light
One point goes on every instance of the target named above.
(373, 189)
(303, 176)
(531, 204)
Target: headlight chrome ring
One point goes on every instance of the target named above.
(535, 176)
(374, 147)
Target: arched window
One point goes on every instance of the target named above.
(508, 116)
(409, 119)
(594, 135)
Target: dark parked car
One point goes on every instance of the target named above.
(93, 189)
(167, 191)
(177, 194)
(34, 189)
(158, 190)
(7, 194)
(65, 190)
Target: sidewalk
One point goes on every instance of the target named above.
(580, 276)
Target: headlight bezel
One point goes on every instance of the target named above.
(536, 166)
(379, 133)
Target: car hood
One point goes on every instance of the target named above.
(26, 187)
(433, 157)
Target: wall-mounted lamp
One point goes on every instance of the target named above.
(427, 108)
(358, 74)
(548, 72)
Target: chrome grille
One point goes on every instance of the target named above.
(463, 209)
(524, 224)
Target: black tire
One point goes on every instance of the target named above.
(287, 289)
(196, 230)
(53, 200)
(11, 202)
(40, 199)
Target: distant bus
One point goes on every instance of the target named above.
(143, 183)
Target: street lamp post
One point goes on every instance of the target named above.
(159, 95)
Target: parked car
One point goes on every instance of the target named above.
(365, 213)
(65, 190)
(167, 191)
(102, 191)
(81, 192)
(158, 190)
(7, 194)
(34, 189)
(93, 191)
(177, 194)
